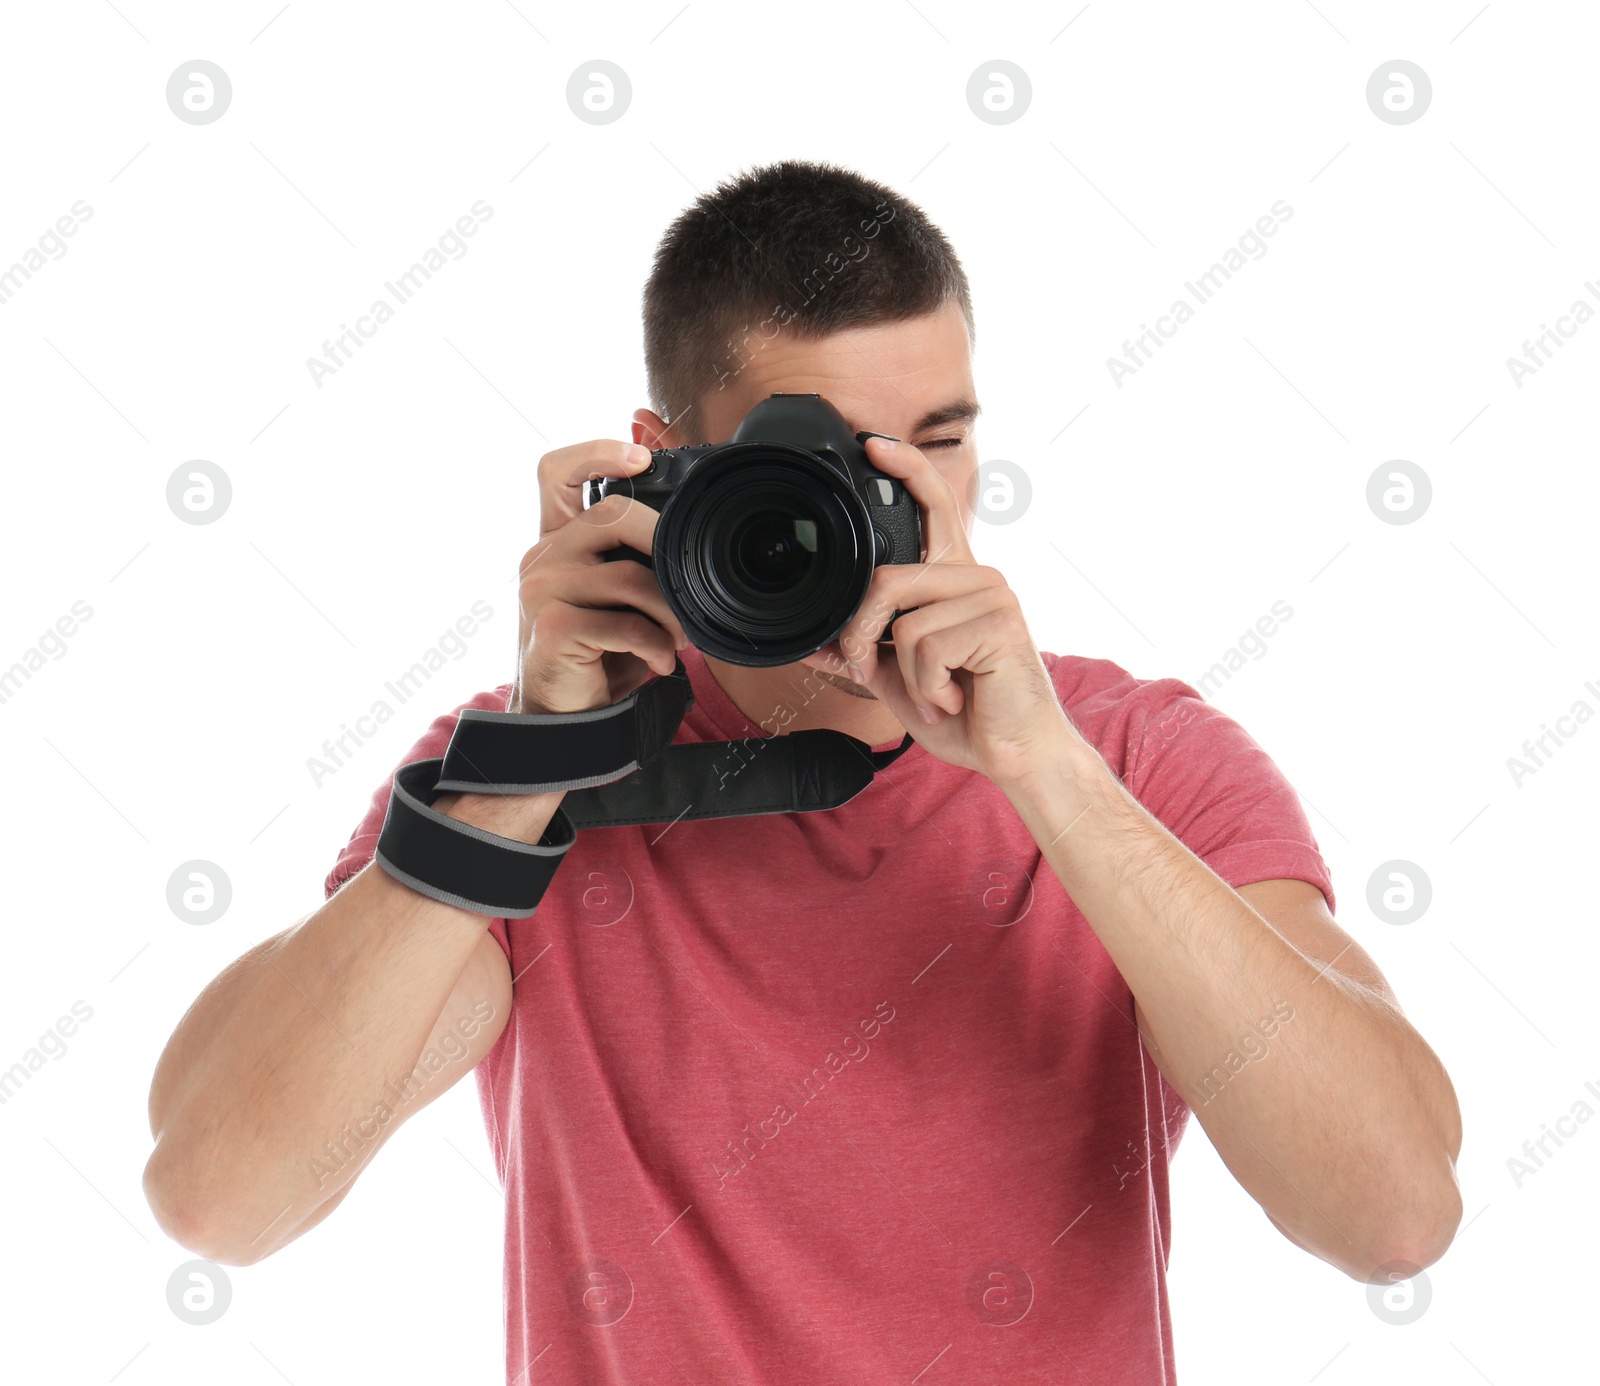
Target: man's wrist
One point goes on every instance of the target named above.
(523, 817)
(1068, 763)
(1066, 788)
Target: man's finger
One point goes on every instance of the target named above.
(901, 587)
(563, 472)
(606, 586)
(943, 535)
(931, 644)
(615, 521)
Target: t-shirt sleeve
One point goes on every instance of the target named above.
(1213, 787)
(363, 841)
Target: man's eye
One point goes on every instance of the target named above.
(937, 443)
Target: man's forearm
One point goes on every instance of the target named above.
(1346, 1130)
(299, 1040)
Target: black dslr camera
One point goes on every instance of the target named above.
(766, 543)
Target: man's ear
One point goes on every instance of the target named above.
(653, 431)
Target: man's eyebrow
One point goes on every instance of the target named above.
(961, 411)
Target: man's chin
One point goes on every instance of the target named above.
(844, 685)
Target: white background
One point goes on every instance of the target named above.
(370, 513)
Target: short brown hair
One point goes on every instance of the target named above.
(810, 247)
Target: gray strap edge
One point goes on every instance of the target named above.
(549, 719)
(549, 787)
(445, 897)
(509, 844)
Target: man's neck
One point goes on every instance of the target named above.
(796, 697)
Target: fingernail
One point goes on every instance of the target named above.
(926, 716)
(855, 673)
(637, 452)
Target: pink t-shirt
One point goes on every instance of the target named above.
(851, 1096)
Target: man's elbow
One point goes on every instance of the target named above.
(185, 1218)
(1416, 1236)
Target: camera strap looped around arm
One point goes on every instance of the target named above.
(459, 864)
(536, 752)
(618, 768)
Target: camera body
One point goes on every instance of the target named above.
(766, 544)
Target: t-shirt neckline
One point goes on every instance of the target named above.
(723, 713)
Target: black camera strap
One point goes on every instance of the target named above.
(618, 768)
(798, 773)
(535, 752)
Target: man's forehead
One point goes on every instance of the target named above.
(872, 410)
(887, 378)
(902, 418)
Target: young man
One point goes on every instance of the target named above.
(852, 1095)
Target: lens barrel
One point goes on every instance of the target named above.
(764, 552)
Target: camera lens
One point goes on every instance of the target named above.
(764, 552)
(772, 551)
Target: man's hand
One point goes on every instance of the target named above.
(590, 631)
(963, 675)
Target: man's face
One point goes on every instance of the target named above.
(911, 380)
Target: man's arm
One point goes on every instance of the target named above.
(1336, 1116)
(1347, 1130)
(303, 1056)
